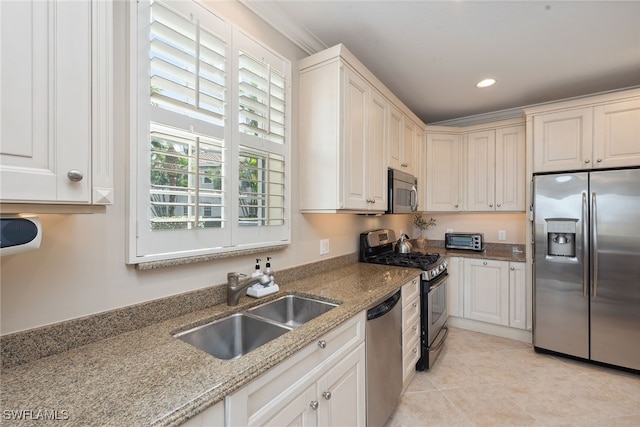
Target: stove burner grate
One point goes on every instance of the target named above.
(414, 260)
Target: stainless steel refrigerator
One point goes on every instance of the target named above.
(587, 265)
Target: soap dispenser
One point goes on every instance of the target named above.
(258, 271)
(269, 272)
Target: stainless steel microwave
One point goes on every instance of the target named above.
(468, 241)
(403, 192)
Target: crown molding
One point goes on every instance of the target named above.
(273, 15)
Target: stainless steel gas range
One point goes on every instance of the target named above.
(378, 247)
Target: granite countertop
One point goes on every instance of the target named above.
(147, 377)
(495, 251)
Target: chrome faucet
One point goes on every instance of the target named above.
(237, 283)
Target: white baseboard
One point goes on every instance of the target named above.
(491, 329)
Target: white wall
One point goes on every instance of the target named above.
(80, 268)
(513, 223)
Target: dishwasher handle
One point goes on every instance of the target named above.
(384, 307)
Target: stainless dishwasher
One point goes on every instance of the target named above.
(384, 359)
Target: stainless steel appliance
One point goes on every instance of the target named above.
(384, 359)
(587, 265)
(403, 192)
(377, 247)
(470, 241)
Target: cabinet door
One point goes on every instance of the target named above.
(455, 301)
(517, 295)
(510, 169)
(298, 411)
(486, 293)
(341, 392)
(443, 172)
(481, 171)
(563, 140)
(354, 143)
(376, 184)
(616, 130)
(421, 167)
(46, 101)
(396, 129)
(407, 161)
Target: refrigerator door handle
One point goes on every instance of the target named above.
(585, 252)
(594, 242)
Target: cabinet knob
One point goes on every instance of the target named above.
(326, 395)
(512, 268)
(599, 160)
(587, 161)
(75, 175)
(455, 206)
(490, 205)
(415, 350)
(499, 204)
(484, 263)
(373, 201)
(414, 305)
(322, 344)
(415, 328)
(314, 404)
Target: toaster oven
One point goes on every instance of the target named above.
(468, 241)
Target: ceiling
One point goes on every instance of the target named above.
(432, 53)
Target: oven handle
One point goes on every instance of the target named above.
(441, 343)
(439, 282)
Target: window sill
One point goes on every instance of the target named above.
(149, 265)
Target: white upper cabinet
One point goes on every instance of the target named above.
(481, 177)
(616, 133)
(510, 169)
(349, 126)
(56, 102)
(444, 172)
(477, 168)
(589, 133)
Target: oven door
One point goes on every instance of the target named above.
(436, 307)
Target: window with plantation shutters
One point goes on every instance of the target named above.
(211, 136)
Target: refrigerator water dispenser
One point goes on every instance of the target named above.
(561, 237)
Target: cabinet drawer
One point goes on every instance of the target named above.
(410, 332)
(410, 290)
(411, 355)
(410, 312)
(306, 363)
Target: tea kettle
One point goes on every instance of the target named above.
(403, 246)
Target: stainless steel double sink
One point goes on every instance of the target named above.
(238, 334)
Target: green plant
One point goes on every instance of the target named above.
(421, 223)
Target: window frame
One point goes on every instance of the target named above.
(145, 245)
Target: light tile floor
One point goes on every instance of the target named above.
(484, 380)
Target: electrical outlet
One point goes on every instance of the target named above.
(502, 235)
(449, 230)
(324, 246)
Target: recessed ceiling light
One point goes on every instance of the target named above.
(486, 83)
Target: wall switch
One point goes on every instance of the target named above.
(502, 235)
(324, 246)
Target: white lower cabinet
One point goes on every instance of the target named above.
(486, 290)
(322, 384)
(455, 300)
(517, 295)
(410, 329)
(495, 292)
